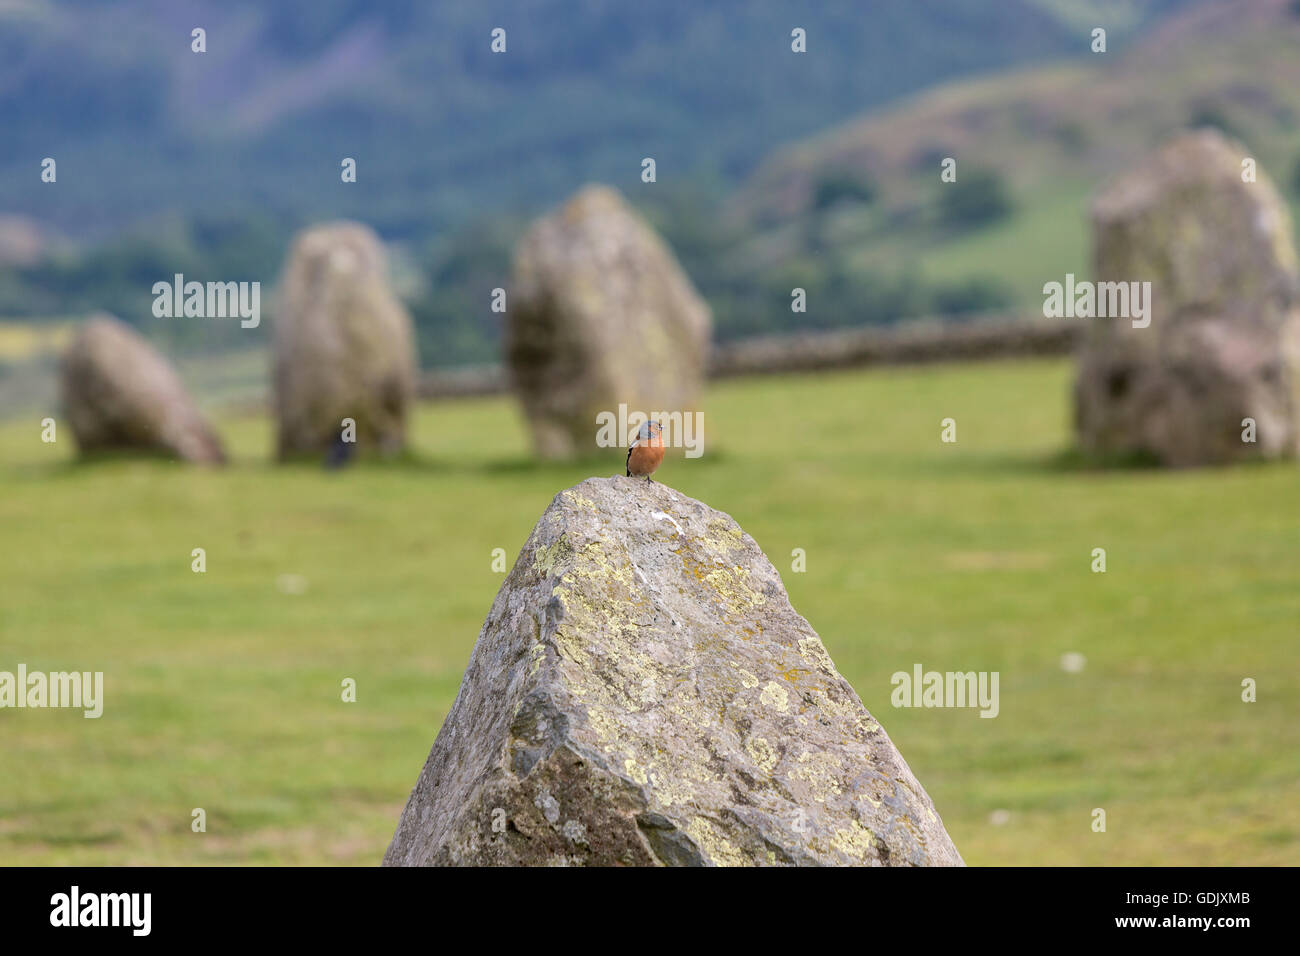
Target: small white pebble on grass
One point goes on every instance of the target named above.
(1000, 818)
(1073, 662)
(291, 584)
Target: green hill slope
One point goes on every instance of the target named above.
(1047, 138)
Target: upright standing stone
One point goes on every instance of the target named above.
(600, 313)
(344, 346)
(1223, 343)
(120, 395)
(642, 693)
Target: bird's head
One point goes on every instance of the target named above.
(649, 431)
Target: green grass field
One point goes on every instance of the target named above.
(223, 692)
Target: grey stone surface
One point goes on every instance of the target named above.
(1224, 340)
(600, 313)
(344, 345)
(642, 693)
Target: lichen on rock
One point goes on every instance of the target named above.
(643, 693)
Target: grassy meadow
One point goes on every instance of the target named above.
(223, 688)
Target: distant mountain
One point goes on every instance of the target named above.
(443, 129)
(1031, 147)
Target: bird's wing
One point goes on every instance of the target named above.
(629, 460)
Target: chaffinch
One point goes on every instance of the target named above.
(645, 454)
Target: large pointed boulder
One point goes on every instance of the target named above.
(344, 346)
(121, 395)
(643, 693)
(600, 314)
(1215, 376)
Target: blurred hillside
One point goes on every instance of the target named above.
(171, 161)
(440, 126)
(1032, 146)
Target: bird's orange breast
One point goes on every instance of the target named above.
(644, 459)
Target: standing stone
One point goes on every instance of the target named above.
(643, 693)
(120, 395)
(344, 346)
(1224, 340)
(600, 313)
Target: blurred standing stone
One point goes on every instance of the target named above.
(1224, 340)
(344, 346)
(120, 394)
(600, 313)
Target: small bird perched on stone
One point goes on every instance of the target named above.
(646, 453)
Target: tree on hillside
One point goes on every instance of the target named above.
(842, 185)
(977, 198)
